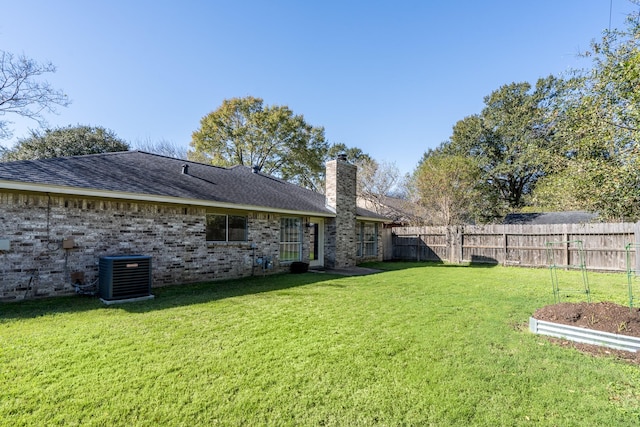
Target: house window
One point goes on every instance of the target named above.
(290, 239)
(237, 228)
(367, 239)
(226, 228)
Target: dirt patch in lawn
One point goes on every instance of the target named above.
(601, 316)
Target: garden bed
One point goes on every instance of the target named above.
(601, 317)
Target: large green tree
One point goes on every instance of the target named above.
(244, 131)
(66, 141)
(599, 125)
(447, 186)
(511, 140)
(23, 92)
(354, 154)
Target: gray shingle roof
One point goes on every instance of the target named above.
(138, 172)
(569, 217)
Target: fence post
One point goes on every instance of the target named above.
(454, 237)
(449, 240)
(387, 244)
(450, 244)
(505, 242)
(460, 240)
(636, 241)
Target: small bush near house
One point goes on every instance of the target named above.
(299, 267)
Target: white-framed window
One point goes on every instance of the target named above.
(367, 239)
(226, 228)
(290, 239)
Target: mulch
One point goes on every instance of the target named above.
(601, 316)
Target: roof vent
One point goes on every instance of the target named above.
(255, 168)
(342, 157)
(185, 169)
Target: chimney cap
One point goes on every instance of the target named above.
(342, 157)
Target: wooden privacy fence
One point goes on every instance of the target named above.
(524, 245)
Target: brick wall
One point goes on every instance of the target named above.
(36, 225)
(341, 196)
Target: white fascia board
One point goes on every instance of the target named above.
(331, 208)
(370, 219)
(108, 194)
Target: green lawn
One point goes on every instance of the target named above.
(416, 345)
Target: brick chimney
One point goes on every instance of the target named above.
(340, 193)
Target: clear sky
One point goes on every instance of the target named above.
(388, 77)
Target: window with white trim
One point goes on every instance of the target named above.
(290, 239)
(226, 228)
(367, 239)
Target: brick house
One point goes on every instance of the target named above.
(197, 222)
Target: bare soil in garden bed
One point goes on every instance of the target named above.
(601, 316)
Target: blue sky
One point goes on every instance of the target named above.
(389, 77)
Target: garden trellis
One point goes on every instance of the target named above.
(557, 260)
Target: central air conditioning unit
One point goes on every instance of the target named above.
(124, 278)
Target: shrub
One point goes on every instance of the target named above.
(299, 267)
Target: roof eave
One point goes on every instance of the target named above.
(372, 219)
(108, 194)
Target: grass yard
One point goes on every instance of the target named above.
(418, 344)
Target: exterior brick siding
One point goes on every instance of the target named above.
(37, 265)
(341, 196)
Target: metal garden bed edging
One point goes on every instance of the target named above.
(583, 335)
